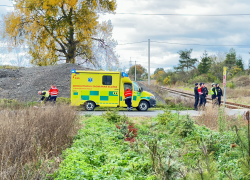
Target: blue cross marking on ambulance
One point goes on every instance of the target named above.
(90, 80)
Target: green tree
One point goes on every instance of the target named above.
(185, 60)
(205, 63)
(157, 70)
(140, 70)
(239, 62)
(57, 29)
(230, 60)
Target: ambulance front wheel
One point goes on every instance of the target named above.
(143, 106)
(89, 106)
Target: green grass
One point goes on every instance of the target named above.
(168, 146)
(99, 152)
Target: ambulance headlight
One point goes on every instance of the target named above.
(73, 71)
(152, 97)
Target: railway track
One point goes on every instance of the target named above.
(229, 105)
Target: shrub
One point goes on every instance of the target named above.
(114, 116)
(231, 85)
(186, 127)
(63, 100)
(211, 78)
(30, 137)
(167, 80)
(128, 131)
(165, 117)
(198, 79)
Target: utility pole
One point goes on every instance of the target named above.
(148, 61)
(224, 84)
(135, 70)
(130, 63)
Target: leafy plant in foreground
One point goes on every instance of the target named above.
(128, 131)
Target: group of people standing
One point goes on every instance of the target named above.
(201, 93)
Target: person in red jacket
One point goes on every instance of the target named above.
(128, 98)
(53, 92)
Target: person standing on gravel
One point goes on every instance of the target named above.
(45, 96)
(53, 92)
(213, 94)
(128, 98)
(202, 95)
(206, 94)
(219, 93)
(196, 95)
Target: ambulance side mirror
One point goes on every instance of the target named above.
(140, 89)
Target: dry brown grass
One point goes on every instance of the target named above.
(30, 138)
(211, 115)
(186, 102)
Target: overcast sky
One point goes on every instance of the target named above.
(225, 30)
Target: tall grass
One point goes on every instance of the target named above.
(216, 119)
(31, 138)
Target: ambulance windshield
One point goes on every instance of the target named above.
(136, 86)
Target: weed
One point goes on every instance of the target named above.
(30, 138)
(114, 116)
(185, 127)
(165, 117)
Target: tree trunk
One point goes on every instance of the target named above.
(71, 45)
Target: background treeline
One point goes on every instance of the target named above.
(209, 68)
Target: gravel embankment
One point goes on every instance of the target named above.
(145, 88)
(22, 84)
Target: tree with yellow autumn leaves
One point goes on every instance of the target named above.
(58, 29)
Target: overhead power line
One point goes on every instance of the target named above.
(187, 44)
(165, 14)
(133, 43)
(174, 14)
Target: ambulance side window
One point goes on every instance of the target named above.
(127, 85)
(107, 80)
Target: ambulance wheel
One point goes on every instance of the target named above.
(143, 106)
(89, 106)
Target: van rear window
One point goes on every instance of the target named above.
(107, 80)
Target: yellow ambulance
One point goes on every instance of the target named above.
(106, 89)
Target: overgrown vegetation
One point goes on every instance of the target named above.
(14, 104)
(209, 68)
(167, 147)
(32, 140)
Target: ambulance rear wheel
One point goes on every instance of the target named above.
(143, 106)
(89, 106)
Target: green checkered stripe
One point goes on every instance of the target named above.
(104, 97)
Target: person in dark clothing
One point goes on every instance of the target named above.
(214, 94)
(196, 95)
(128, 98)
(219, 93)
(202, 95)
(206, 94)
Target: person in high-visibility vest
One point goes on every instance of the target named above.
(219, 93)
(128, 98)
(53, 92)
(45, 96)
(213, 93)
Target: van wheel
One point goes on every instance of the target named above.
(89, 106)
(143, 106)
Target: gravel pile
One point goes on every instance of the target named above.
(22, 84)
